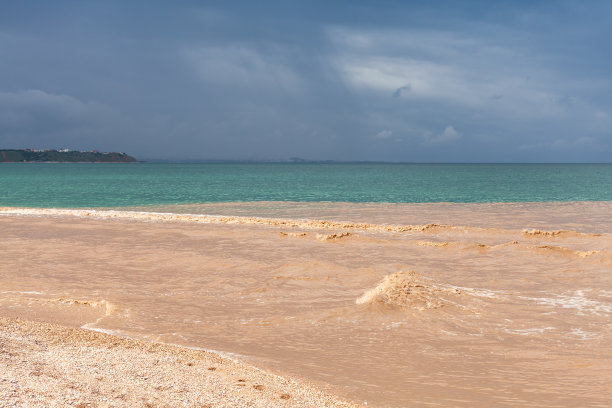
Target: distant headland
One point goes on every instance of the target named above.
(63, 156)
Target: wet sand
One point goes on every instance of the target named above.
(390, 304)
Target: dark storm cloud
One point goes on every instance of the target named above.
(504, 81)
(37, 118)
(398, 91)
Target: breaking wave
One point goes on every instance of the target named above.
(303, 224)
(556, 233)
(333, 237)
(408, 290)
(107, 307)
(551, 249)
(292, 234)
(219, 219)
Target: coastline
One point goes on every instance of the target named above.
(45, 365)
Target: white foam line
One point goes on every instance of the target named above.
(577, 300)
(605, 293)
(227, 355)
(486, 293)
(89, 326)
(214, 219)
(528, 332)
(235, 357)
(584, 335)
(23, 293)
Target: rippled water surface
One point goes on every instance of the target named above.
(112, 185)
(394, 304)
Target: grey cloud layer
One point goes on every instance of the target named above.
(47, 120)
(346, 81)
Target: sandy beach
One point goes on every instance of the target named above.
(46, 365)
(308, 305)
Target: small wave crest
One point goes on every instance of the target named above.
(551, 249)
(219, 219)
(577, 300)
(409, 290)
(567, 251)
(537, 232)
(307, 224)
(555, 233)
(107, 307)
(432, 244)
(333, 237)
(292, 234)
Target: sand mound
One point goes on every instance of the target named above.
(408, 290)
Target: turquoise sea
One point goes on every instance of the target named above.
(116, 185)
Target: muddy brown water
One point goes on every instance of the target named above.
(492, 305)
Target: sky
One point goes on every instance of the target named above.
(401, 81)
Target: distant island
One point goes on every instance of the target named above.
(63, 156)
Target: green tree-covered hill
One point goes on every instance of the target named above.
(71, 156)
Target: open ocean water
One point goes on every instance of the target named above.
(117, 185)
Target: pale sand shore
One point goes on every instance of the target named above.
(46, 365)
